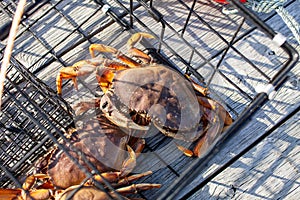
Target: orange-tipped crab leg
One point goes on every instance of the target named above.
(216, 106)
(80, 68)
(197, 87)
(137, 187)
(215, 120)
(105, 73)
(135, 52)
(116, 180)
(107, 49)
(218, 120)
(131, 178)
(8, 194)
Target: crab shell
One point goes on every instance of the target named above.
(154, 94)
(102, 143)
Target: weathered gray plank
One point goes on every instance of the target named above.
(269, 171)
(52, 28)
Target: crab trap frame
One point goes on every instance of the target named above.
(218, 50)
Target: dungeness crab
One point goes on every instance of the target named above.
(58, 177)
(140, 93)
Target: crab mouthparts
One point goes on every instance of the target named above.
(189, 135)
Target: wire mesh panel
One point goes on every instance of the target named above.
(30, 111)
(238, 63)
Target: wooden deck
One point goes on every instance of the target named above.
(270, 170)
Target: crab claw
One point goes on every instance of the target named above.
(80, 68)
(30, 180)
(129, 163)
(218, 119)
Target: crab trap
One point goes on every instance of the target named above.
(235, 56)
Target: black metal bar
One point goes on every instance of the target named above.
(191, 10)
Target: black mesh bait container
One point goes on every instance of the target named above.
(220, 51)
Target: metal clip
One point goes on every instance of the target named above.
(267, 89)
(279, 39)
(105, 8)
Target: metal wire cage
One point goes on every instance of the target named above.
(194, 37)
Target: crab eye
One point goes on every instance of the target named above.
(104, 105)
(132, 113)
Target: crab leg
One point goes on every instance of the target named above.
(218, 118)
(129, 163)
(103, 48)
(214, 105)
(104, 78)
(86, 67)
(197, 87)
(131, 178)
(209, 103)
(134, 188)
(138, 144)
(135, 52)
(8, 194)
